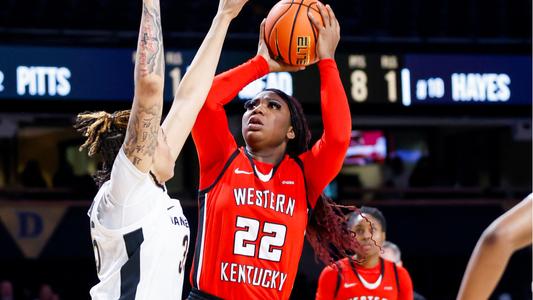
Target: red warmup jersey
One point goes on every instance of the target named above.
(354, 282)
(253, 215)
(252, 250)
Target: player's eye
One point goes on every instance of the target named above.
(274, 105)
(251, 104)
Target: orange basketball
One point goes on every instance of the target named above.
(290, 34)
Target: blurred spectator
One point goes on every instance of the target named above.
(31, 176)
(6, 290)
(47, 293)
(390, 251)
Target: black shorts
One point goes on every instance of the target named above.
(196, 294)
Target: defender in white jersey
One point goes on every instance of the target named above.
(140, 243)
(139, 234)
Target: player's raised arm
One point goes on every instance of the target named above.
(195, 85)
(327, 154)
(143, 126)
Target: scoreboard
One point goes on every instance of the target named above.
(423, 79)
(101, 74)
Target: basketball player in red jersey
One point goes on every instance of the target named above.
(254, 200)
(507, 234)
(366, 276)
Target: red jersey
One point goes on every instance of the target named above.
(386, 281)
(253, 215)
(253, 246)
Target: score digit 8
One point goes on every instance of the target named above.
(359, 88)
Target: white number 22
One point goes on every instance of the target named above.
(246, 239)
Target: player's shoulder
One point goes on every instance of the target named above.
(328, 274)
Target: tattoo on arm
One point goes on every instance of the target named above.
(141, 138)
(150, 47)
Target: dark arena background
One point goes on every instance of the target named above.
(440, 95)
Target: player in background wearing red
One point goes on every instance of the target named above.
(139, 234)
(366, 275)
(510, 232)
(254, 201)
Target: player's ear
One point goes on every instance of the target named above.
(290, 133)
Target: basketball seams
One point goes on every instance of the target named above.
(281, 15)
(292, 29)
(277, 47)
(304, 4)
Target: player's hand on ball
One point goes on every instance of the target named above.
(230, 8)
(273, 65)
(328, 34)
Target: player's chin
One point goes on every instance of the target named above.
(367, 250)
(253, 134)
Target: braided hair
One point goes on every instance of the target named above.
(105, 135)
(327, 231)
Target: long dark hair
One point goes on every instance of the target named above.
(327, 230)
(105, 135)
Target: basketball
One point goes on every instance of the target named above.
(290, 34)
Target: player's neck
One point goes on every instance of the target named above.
(370, 262)
(268, 155)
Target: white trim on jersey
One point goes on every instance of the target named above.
(368, 285)
(264, 177)
(200, 258)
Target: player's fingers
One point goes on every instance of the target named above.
(324, 13)
(315, 22)
(331, 14)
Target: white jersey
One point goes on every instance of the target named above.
(140, 237)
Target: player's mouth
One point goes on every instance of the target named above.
(366, 247)
(255, 123)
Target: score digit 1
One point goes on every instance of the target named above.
(1, 81)
(359, 88)
(390, 77)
